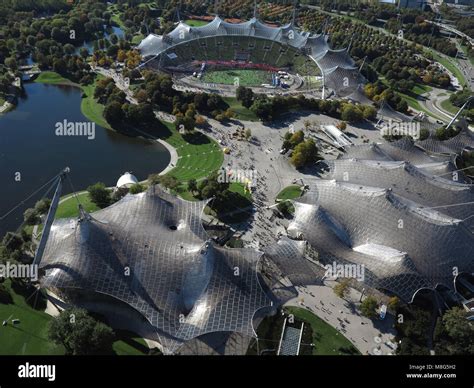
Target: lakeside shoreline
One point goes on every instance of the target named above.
(87, 109)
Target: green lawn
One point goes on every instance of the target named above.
(137, 39)
(241, 112)
(327, 340)
(91, 108)
(415, 104)
(447, 106)
(450, 66)
(89, 105)
(195, 23)
(244, 77)
(113, 9)
(30, 336)
(69, 208)
(420, 89)
(471, 58)
(412, 101)
(128, 344)
(52, 78)
(289, 192)
(239, 188)
(198, 155)
(184, 193)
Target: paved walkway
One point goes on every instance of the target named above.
(274, 171)
(370, 337)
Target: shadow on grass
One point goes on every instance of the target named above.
(151, 131)
(30, 294)
(348, 350)
(127, 337)
(196, 138)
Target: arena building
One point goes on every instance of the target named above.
(252, 44)
(149, 252)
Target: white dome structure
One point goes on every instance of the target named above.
(126, 180)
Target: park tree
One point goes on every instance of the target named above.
(212, 186)
(80, 334)
(304, 153)
(342, 125)
(11, 63)
(12, 242)
(140, 114)
(192, 185)
(136, 188)
(169, 182)
(69, 49)
(5, 296)
(113, 113)
(393, 303)
(454, 334)
(369, 112)
(296, 138)
(351, 113)
(369, 306)
(263, 108)
(141, 96)
(460, 330)
(42, 206)
(99, 194)
(31, 217)
(341, 289)
(153, 179)
(245, 96)
(84, 52)
(201, 120)
(248, 133)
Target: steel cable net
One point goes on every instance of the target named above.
(359, 96)
(403, 245)
(289, 256)
(455, 145)
(404, 149)
(151, 252)
(339, 70)
(387, 112)
(416, 184)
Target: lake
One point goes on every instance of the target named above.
(29, 145)
(111, 30)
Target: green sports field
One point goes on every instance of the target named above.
(244, 77)
(195, 23)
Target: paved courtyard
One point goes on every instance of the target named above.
(375, 337)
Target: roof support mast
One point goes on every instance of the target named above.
(459, 111)
(50, 217)
(293, 16)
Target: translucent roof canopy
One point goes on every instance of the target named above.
(346, 222)
(151, 252)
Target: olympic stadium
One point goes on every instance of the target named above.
(252, 44)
